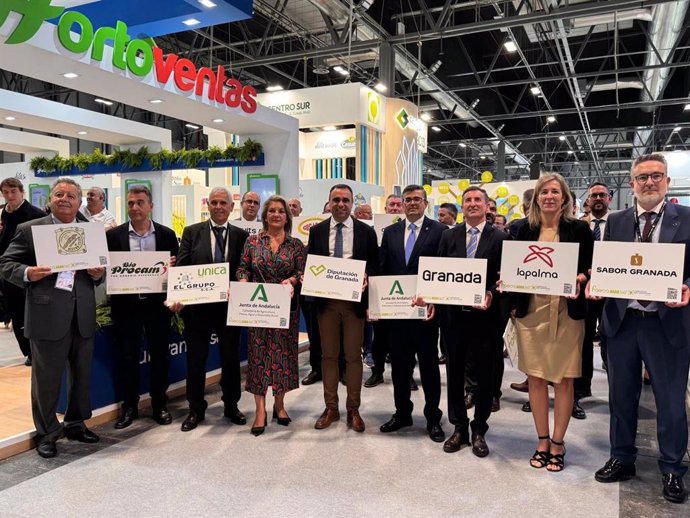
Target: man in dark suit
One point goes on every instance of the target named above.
(60, 323)
(655, 333)
(345, 237)
(402, 245)
(137, 315)
(468, 329)
(213, 241)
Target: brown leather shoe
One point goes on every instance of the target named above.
(456, 441)
(521, 387)
(354, 420)
(329, 416)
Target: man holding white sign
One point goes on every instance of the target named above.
(343, 237)
(654, 332)
(143, 314)
(403, 244)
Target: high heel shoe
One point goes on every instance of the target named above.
(541, 458)
(557, 460)
(282, 421)
(258, 430)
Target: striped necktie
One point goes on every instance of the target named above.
(472, 245)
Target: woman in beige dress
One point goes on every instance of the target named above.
(550, 329)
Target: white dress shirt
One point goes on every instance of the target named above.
(468, 234)
(602, 226)
(418, 224)
(213, 237)
(348, 237)
(633, 304)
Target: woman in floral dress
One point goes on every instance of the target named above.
(273, 256)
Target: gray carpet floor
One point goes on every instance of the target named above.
(220, 469)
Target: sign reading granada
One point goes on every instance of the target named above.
(452, 280)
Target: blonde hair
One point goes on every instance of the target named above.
(534, 216)
(288, 213)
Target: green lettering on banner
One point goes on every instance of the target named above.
(65, 32)
(259, 293)
(33, 12)
(396, 289)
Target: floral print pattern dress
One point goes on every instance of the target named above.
(272, 353)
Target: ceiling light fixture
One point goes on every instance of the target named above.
(274, 88)
(561, 138)
(103, 101)
(686, 108)
(218, 120)
(156, 101)
(535, 90)
(10, 118)
(192, 126)
(425, 117)
(510, 46)
(436, 128)
(550, 118)
(677, 129)
(482, 157)
(329, 128)
(82, 132)
(474, 104)
(207, 3)
(190, 22)
(70, 75)
(341, 70)
(462, 144)
(380, 87)
(570, 151)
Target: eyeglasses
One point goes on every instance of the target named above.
(413, 199)
(602, 195)
(641, 179)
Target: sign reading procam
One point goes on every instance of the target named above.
(390, 297)
(452, 280)
(138, 272)
(539, 267)
(257, 304)
(198, 284)
(333, 278)
(66, 247)
(642, 271)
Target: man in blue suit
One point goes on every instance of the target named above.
(402, 245)
(656, 333)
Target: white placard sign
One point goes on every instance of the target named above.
(258, 304)
(138, 272)
(539, 267)
(452, 280)
(510, 341)
(301, 225)
(642, 271)
(390, 296)
(74, 246)
(382, 221)
(333, 278)
(199, 284)
(250, 227)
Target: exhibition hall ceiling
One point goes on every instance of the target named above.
(579, 86)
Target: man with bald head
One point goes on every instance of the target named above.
(295, 207)
(250, 204)
(95, 208)
(363, 211)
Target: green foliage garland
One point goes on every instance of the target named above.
(248, 151)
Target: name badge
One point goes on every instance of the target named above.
(65, 280)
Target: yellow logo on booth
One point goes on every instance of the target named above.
(463, 184)
(502, 191)
(503, 210)
(374, 111)
(487, 176)
(460, 218)
(514, 200)
(516, 216)
(444, 188)
(427, 189)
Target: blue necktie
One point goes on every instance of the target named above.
(219, 254)
(472, 245)
(597, 229)
(409, 245)
(338, 250)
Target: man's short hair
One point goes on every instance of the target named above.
(411, 188)
(141, 189)
(595, 184)
(450, 207)
(527, 197)
(475, 188)
(245, 195)
(340, 186)
(652, 157)
(12, 183)
(393, 196)
(69, 181)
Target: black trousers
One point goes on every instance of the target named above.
(499, 364)
(408, 338)
(198, 331)
(150, 318)
(469, 332)
(583, 384)
(14, 298)
(379, 347)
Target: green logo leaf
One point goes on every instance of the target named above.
(317, 269)
(259, 293)
(403, 118)
(33, 12)
(396, 289)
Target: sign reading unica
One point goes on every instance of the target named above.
(76, 34)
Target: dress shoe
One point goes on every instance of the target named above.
(373, 380)
(192, 421)
(126, 417)
(235, 416)
(47, 449)
(81, 434)
(27, 361)
(312, 378)
(674, 490)
(282, 421)
(436, 433)
(469, 400)
(413, 384)
(329, 416)
(456, 441)
(442, 359)
(162, 416)
(578, 411)
(479, 446)
(495, 404)
(526, 407)
(520, 387)
(258, 430)
(395, 424)
(615, 471)
(354, 420)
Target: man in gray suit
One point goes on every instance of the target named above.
(60, 323)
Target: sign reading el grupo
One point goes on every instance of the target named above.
(642, 271)
(333, 278)
(452, 280)
(539, 267)
(138, 272)
(199, 284)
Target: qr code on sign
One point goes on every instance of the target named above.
(355, 295)
(671, 293)
(478, 299)
(567, 288)
(283, 322)
(103, 260)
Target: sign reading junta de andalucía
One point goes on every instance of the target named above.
(138, 272)
(198, 284)
(67, 247)
(390, 296)
(138, 57)
(334, 278)
(641, 271)
(257, 304)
